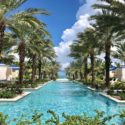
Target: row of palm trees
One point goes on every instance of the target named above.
(107, 30)
(24, 33)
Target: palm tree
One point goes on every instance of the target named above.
(35, 46)
(6, 21)
(54, 68)
(20, 23)
(93, 47)
(120, 53)
(86, 45)
(6, 55)
(22, 31)
(105, 25)
(79, 51)
(47, 53)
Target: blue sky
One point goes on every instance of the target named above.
(68, 17)
(63, 15)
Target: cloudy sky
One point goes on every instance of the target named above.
(69, 34)
(67, 18)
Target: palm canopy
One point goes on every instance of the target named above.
(111, 15)
(106, 24)
(9, 5)
(19, 20)
(120, 53)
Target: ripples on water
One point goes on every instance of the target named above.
(69, 97)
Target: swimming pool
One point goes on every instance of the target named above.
(68, 97)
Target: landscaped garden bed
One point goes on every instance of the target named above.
(120, 95)
(9, 90)
(35, 84)
(12, 90)
(117, 90)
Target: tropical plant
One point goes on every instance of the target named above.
(106, 28)
(55, 119)
(93, 48)
(120, 53)
(79, 52)
(21, 24)
(85, 46)
(23, 30)
(7, 17)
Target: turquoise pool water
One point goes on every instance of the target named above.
(69, 97)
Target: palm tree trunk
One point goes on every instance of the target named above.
(33, 67)
(44, 74)
(81, 76)
(76, 74)
(2, 29)
(92, 58)
(73, 77)
(107, 64)
(21, 61)
(39, 68)
(85, 69)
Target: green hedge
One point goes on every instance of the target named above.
(10, 91)
(118, 86)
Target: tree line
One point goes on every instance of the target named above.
(24, 33)
(107, 30)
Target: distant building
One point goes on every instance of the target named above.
(113, 70)
(120, 73)
(8, 72)
(15, 71)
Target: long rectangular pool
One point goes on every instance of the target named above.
(68, 97)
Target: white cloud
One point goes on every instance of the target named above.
(70, 34)
(122, 1)
(86, 8)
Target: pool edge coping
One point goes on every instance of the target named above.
(105, 95)
(36, 88)
(18, 97)
(25, 93)
(112, 98)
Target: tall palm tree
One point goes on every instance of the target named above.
(7, 18)
(105, 27)
(35, 46)
(22, 31)
(93, 47)
(86, 45)
(47, 52)
(79, 51)
(20, 23)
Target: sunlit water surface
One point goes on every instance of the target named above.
(69, 97)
